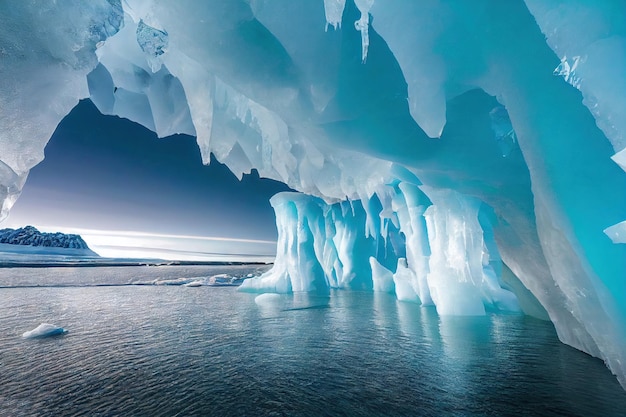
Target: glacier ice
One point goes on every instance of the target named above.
(39, 59)
(44, 330)
(568, 72)
(594, 36)
(467, 156)
(620, 158)
(153, 42)
(403, 280)
(503, 130)
(382, 278)
(322, 246)
(334, 12)
(362, 25)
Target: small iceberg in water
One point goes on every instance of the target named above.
(44, 330)
(267, 299)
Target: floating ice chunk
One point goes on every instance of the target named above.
(44, 330)
(267, 299)
(194, 284)
(334, 12)
(222, 280)
(175, 281)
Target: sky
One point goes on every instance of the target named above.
(122, 188)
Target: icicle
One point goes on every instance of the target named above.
(362, 25)
(371, 229)
(334, 12)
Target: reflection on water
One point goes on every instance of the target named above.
(213, 351)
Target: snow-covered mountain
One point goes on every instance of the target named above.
(30, 240)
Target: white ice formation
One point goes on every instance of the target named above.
(44, 330)
(456, 154)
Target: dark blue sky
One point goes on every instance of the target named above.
(103, 172)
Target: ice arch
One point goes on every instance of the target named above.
(477, 140)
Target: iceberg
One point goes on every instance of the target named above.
(267, 299)
(467, 156)
(44, 330)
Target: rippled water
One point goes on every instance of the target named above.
(167, 351)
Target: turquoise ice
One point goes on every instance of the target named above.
(467, 152)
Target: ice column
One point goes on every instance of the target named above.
(299, 219)
(461, 280)
(320, 246)
(410, 204)
(451, 260)
(382, 278)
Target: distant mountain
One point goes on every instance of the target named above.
(30, 236)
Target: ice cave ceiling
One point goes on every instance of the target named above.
(448, 151)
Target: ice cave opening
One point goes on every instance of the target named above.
(464, 155)
(107, 174)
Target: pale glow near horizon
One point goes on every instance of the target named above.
(132, 244)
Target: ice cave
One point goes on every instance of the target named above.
(465, 155)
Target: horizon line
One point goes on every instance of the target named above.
(129, 233)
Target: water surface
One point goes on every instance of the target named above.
(166, 351)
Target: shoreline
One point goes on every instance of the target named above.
(104, 262)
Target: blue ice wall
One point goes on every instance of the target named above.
(402, 123)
